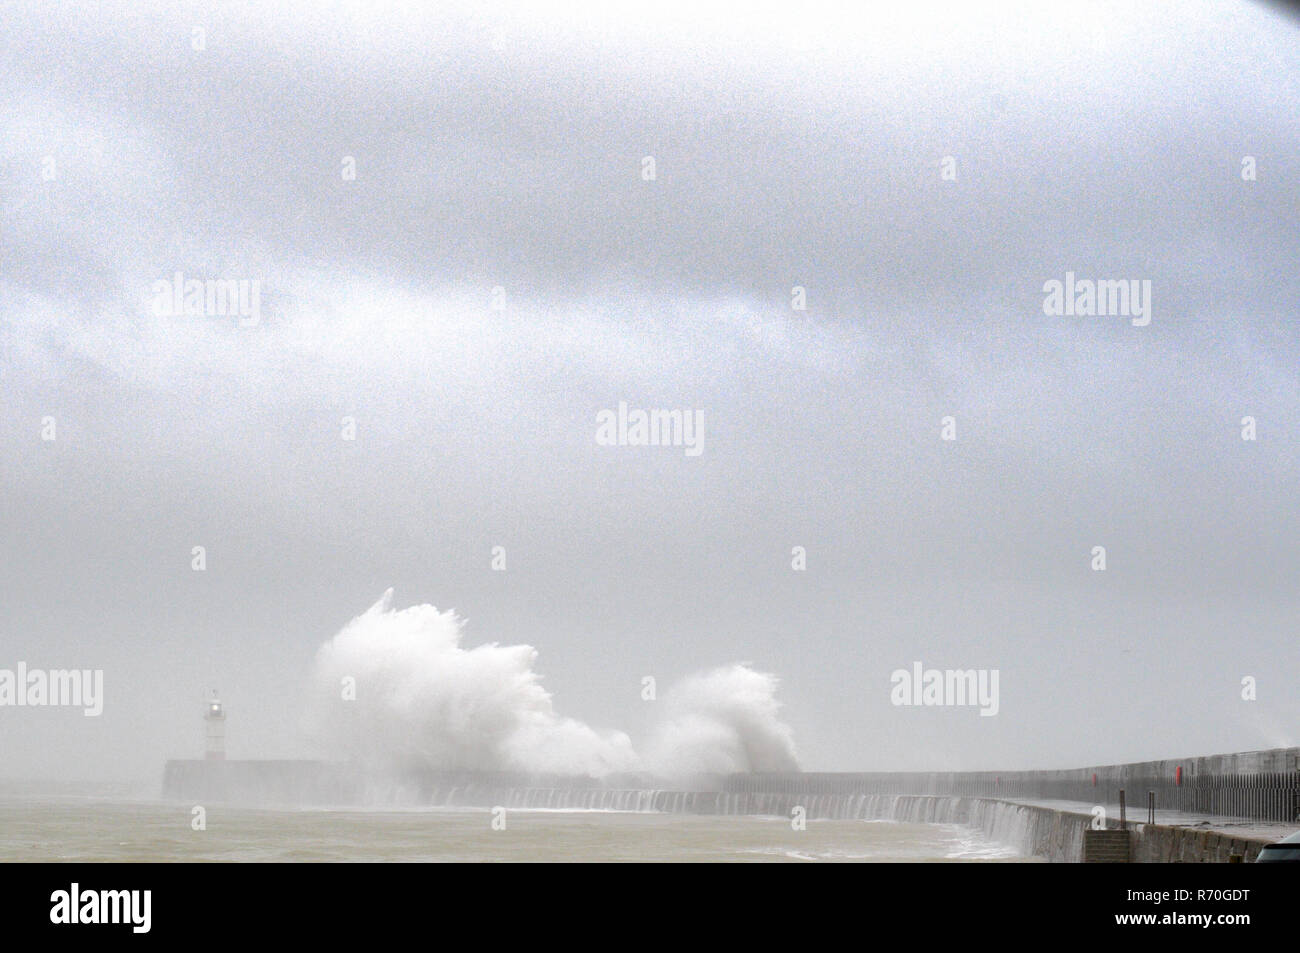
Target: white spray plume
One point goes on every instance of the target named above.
(424, 701)
(723, 721)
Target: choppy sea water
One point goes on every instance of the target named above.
(84, 829)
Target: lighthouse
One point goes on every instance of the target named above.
(214, 735)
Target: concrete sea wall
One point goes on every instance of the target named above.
(1262, 785)
(1058, 835)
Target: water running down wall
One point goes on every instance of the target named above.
(1263, 785)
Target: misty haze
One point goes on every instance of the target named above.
(847, 413)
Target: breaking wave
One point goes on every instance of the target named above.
(396, 691)
(724, 721)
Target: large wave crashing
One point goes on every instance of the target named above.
(721, 722)
(423, 701)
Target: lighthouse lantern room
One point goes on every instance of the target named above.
(214, 720)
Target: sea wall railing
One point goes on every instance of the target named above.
(1263, 785)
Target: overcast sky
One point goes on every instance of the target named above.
(793, 145)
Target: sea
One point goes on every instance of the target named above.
(93, 829)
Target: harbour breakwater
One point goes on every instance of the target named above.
(1261, 785)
